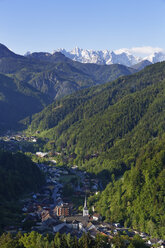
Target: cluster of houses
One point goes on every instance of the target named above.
(16, 142)
(50, 213)
(19, 137)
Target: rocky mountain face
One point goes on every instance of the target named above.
(156, 57)
(100, 57)
(109, 57)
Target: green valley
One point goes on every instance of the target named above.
(116, 131)
(112, 130)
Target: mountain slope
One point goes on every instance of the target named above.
(141, 65)
(18, 176)
(108, 120)
(56, 75)
(31, 82)
(138, 199)
(105, 96)
(116, 131)
(66, 78)
(5, 52)
(17, 101)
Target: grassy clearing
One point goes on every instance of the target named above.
(68, 178)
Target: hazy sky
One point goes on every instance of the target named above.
(45, 25)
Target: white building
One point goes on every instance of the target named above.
(85, 209)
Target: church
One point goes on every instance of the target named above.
(85, 209)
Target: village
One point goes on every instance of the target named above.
(62, 204)
(51, 211)
(17, 142)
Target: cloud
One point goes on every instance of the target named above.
(146, 50)
(140, 51)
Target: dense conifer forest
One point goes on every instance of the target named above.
(18, 176)
(36, 240)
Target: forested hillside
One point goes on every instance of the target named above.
(137, 199)
(55, 75)
(111, 129)
(27, 84)
(17, 101)
(18, 176)
(95, 120)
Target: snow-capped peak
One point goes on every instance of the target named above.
(156, 57)
(124, 56)
(101, 56)
(27, 53)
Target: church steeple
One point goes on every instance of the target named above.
(85, 203)
(85, 209)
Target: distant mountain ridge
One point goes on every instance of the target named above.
(56, 75)
(100, 57)
(109, 57)
(141, 65)
(5, 52)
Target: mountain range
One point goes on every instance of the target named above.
(55, 75)
(110, 57)
(41, 77)
(28, 83)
